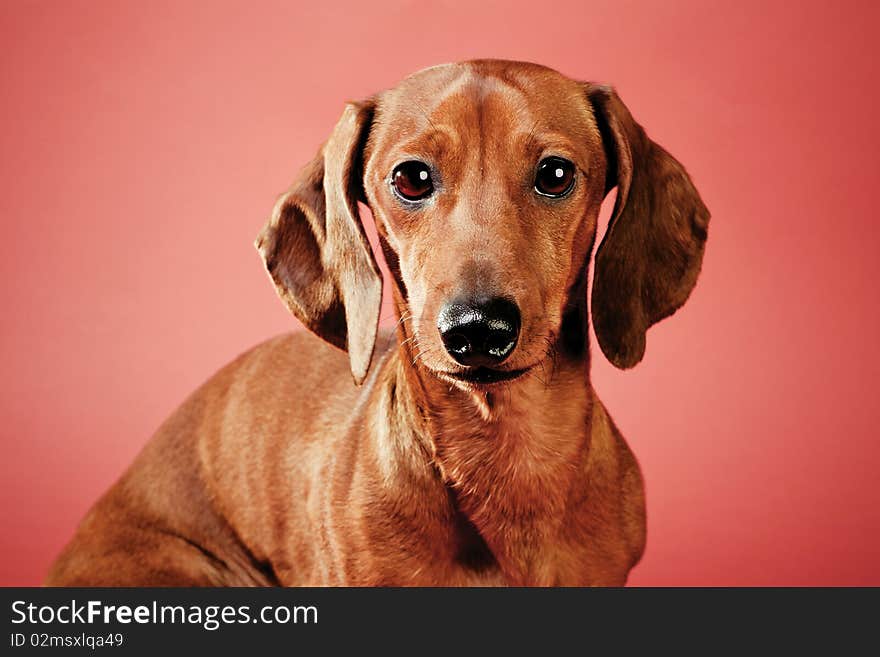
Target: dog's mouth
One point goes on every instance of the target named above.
(485, 375)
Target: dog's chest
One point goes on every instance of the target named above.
(512, 480)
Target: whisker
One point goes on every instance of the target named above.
(425, 114)
(531, 134)
(419, 355)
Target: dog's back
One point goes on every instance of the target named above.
(216, 469)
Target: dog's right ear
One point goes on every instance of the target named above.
(315, 249)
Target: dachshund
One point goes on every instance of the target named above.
(466, 446)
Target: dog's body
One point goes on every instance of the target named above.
(279, 470)
(483, 465)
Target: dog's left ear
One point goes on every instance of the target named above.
(649, 260)
(315, 249)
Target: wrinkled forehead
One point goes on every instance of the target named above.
(474, 102)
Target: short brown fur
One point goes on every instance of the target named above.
(282, 470)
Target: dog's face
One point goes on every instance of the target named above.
(485, 180)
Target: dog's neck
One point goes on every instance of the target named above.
(513, 454)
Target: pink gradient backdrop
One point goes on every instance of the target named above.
(143, 144)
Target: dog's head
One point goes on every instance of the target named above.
(485, 180)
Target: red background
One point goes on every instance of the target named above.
(143, 144)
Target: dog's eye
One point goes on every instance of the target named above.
(555, 177)
(412, 180)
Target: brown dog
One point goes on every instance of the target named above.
(474, 450)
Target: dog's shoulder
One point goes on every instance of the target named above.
(294, 378)
(614, 462)
(305, 352)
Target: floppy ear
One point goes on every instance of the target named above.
(315, 249)
(649, 260)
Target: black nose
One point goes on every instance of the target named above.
(479, 333)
